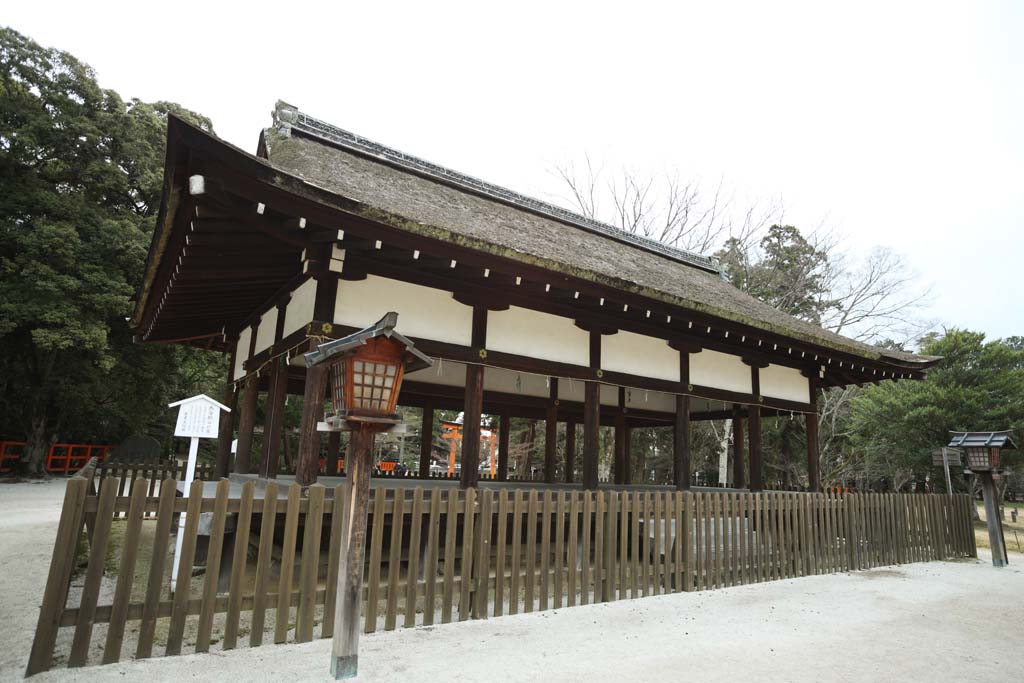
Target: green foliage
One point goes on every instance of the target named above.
(978, 386)
(80, 181)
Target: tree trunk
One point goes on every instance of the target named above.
(37, 446)
(528, 438)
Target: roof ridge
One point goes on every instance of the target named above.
(288, 117)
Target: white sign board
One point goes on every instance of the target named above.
(198, 418)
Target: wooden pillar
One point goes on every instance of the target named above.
(246, 424)
(621, 448)
(681, 443)
(307, 467)
(426, 440)
(504, 427)
(813, 459)
(739, 474)
(592, 416)
(274, 423)
(347, 624)
(591, 435)
(754, 425)
(471, 414)
(570, 450)
(551, 434)
(333, 451)
(225, 431)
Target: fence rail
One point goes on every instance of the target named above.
(436, 556)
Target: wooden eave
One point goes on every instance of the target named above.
(219, 259)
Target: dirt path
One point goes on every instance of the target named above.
(943, 620)
(28, 524)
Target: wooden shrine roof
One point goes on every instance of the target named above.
(220, 253)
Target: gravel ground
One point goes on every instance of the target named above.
(918, 622)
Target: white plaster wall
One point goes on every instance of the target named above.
(512, 382)
(299, 311)
(422, 311)
(779, 381)
(609, 394)
(719, 370)
(242, 352)
(571, 389)
(638, 354)
(443, 372)
(537, 335)
(265, 331)
(641, 399)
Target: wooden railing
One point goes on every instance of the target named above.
(438, 555)
(62, 458)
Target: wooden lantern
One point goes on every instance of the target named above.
(982, 459)
(366, 371)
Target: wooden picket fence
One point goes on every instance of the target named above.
(438, 555)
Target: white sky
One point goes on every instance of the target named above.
(899, 124)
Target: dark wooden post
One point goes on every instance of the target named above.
(739, 478)
(591, 436)
(754, 424)
(592, 416)
(347, 624)
(307, 468)
(551, 433)
(225, 431)
(246, 423)
(333, 451)
(621, 447)
(504, 427)
(426, 440)
(570, 450)
(681, 443)
(813, 459)
(471, 414)
(275, 418)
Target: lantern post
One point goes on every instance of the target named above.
(983, 454)
(366, 371)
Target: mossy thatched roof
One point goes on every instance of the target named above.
(401, 196)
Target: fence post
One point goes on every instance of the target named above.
(62, 563)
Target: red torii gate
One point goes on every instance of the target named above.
(452, 433)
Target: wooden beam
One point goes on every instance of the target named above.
(621, 447)
(274, 425)
(813, 458)
(739, 474)
(591, 436)
(754, 425)
(570, 450)
(471, 414)
(426, 439)
(681, 443)
(551, 433)
(504, 427)
(307, 467)
(246, 424)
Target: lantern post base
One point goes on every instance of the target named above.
(347, 611)
(996, 540)
(345, 666)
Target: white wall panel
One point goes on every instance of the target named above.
(443, 372)
(641, 399)
(299, 311)
(779, 381)
(242, 352)
(719, 370)
(422, 311)
(640, 355)
(537, 335)
(520, 383)
(265, 331)
(609, 395)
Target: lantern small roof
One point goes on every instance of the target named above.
(385, 327)
(1003, 439)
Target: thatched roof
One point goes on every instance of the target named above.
(410, 194)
